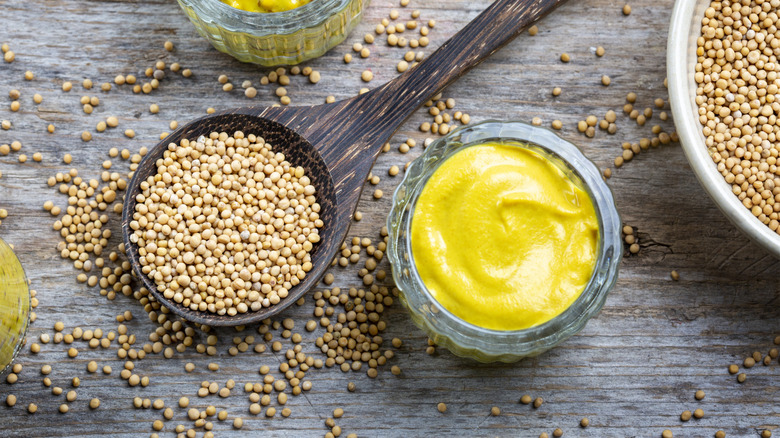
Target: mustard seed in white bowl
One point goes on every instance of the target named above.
(722, 87)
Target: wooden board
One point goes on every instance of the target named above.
(632, 370)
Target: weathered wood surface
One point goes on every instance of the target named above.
(632, 371)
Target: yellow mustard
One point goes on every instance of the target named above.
(502, 238)
(266, 5)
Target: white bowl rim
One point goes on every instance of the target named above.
(689, 129)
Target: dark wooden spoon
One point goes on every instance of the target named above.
(338, 143)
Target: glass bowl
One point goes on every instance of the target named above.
(14, 306)
(277, 38)
(468, 340)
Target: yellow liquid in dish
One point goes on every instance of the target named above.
(502, 238)
(266, 6)
(14, 305)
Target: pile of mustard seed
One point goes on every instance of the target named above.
(226, 224)
(737, 84)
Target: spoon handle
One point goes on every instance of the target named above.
(501, 22)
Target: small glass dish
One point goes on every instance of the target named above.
(14, 306)
(468, 340)
(277, 38)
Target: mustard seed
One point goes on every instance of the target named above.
(495, 411)
(441, 407)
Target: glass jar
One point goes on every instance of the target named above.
(276, 38)
(468, 340)
(14, 306)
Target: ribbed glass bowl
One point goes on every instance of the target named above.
(465, 339)
(14, 306)
(278, 38)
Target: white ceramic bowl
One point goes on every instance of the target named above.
(684, 29)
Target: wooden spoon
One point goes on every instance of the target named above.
(338, 143)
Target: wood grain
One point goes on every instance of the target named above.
(632, 371)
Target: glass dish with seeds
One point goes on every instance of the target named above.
(277, 38)
(459, 336)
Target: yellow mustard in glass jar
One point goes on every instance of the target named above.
(266, 5)
(503, 238)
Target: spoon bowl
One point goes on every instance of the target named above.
(296, 150)
(338, 143)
